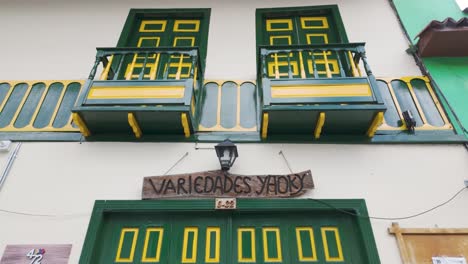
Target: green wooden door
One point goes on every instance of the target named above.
(229, 237)
(301, 30)
(162, 32)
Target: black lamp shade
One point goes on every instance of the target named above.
(227, 154)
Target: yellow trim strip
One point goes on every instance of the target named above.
(193, 259)
(105, 73)
(118, 257)
(136, 92)
(7, 97)
(336, 90)
(319, 125)
(328, 258)
(218, 109)
(438, 104)
(185, 125)
(447, 125)
(180, 22)
(327, 66)
(275, 65)
(353, 65)
(378, 120)
(300, 252)
(81, 125)
(134, 125)
(269, 22)
(265, 126)
(208, 257)
(266, 255)
(158, 248)
(21, 104)
(416, 102)
(54, 115)
(240, 255)
(305, 19)
(163, 24)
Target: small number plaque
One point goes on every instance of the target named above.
(225, 203)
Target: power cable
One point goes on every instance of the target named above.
(390, 218)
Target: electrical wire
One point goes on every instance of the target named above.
(316, 200)
(391, 218)
(41, 215)
(286, 160)
(177, 162)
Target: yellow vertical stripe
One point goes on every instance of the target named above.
(266, 255)
(338, 244)
(265, 126)
(157, 257)
(240, 255)
(319, 125)
(300, 247)
(208, 257)
(118, 257)
(193, 258)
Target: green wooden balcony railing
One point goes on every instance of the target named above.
(141, 91)
(319, 84)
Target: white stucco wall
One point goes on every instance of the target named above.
(57, 39)
(64, 179)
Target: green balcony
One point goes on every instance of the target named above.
(133, 92)
(318, 90)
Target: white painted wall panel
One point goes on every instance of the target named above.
(57, 39)
(65, 179)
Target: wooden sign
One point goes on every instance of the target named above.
(36, 254)
(224, 184)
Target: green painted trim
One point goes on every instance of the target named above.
(200, 12)
(357, 206)
(253, 137)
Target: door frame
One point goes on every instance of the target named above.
(354, 206)
(136, 14)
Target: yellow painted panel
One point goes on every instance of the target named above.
(158, 248)
(273, 38)
(299, 244)
(319, 125)
(265, 125)
(272, 68)
(185, 65)
(134, 125)
(124, 231)
(321, 19)
(240, 254)
(81, 124)
(144, 23)
(328, 258)
(196, 24)
(151, 66)
(287, 22)
(266, 255)
(136, 92)
(193, 258)
(334, 69)
(336, 90)
(378, 120)
(185, 125)
(192, 40)
(217, 232)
